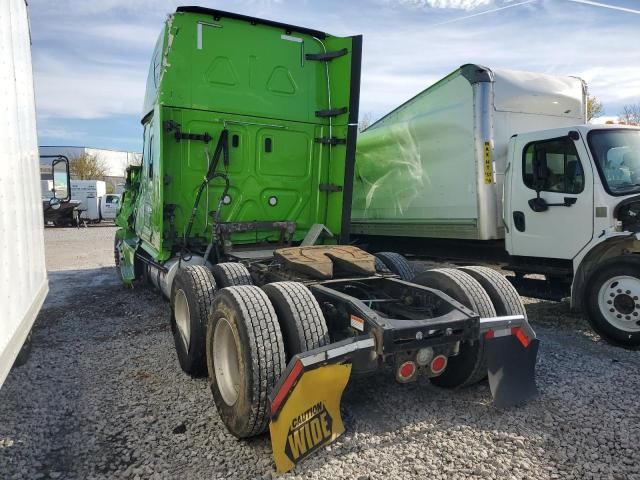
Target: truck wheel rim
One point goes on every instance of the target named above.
(183, 317)
(619, 302)
(225, 359)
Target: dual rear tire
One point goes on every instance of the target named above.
(243, 336)
(487, 293)
(192, 294)
(252, 333)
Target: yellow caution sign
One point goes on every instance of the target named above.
(310, 417)
(488, 164)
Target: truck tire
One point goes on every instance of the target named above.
(503, 294)
(299, 315)
(192, 294)
(612, 301)
(245, 357)
(397, 264)
(231, 274)
(470, 365)
(381, 267)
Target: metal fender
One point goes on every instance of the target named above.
(512, 350)
(127, 253)
(305, 404)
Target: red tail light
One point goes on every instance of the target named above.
(406, 371)
(520, 335)
(438, 364)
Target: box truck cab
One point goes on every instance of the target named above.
(493, 159)
(571, 205)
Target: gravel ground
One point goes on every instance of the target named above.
(103, 397)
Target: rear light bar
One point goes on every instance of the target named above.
(516, 325)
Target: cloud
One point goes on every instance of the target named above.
(91, 58)
(606, 5)
(451, 4)
(58, 133)
(67, 89)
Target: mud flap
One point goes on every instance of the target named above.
(127, 261)
(511, 370)
(512, 349)
(305, 404)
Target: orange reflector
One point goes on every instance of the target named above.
(520, 335)
(296, 371)
(438, 364)
(406, 370)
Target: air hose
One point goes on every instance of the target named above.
(222, 148)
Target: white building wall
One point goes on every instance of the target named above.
(116, 161)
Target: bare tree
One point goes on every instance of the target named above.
(630, 114)
(594, 107)
(365, 122)
(87, 167)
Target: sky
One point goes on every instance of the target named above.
(90, 58)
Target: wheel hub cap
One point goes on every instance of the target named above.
(619, 302)
(225, 360)
(182, 314)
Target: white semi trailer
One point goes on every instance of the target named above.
(23, 277)
(504, 159)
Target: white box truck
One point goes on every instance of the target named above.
(95, 203)
(23, 278)
(504, 159)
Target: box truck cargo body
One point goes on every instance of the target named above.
(23, 279)
(434, 167)
(500, 164)
(95, 203)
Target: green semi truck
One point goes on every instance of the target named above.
(239, 215)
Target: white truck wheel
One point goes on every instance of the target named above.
(612, 301)
(245, 357)
(470, 365)
(192, 293)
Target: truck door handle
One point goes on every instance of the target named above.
(568, 201)
(518, 221)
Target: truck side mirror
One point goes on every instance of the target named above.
(61, 179)
(538, 204)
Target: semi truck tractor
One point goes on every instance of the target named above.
(239, 215)
(490, 163)
(23, 281)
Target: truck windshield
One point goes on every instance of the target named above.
(617, 156)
